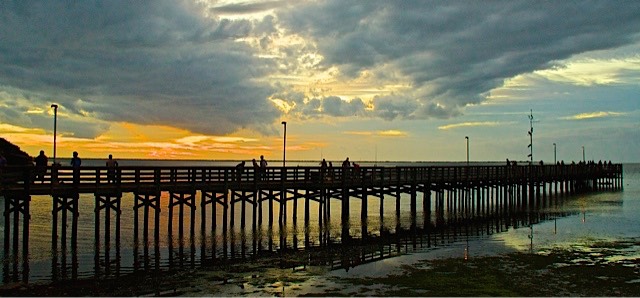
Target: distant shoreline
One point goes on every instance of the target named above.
(275, 161)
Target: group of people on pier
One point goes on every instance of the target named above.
(260, 169)
(349, 170)
(41, 163)
(326, 169)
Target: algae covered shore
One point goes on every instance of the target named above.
(598, 269)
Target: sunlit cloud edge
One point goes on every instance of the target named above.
(593, 115)
(381, 133)
(473, 124)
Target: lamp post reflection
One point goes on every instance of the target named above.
(530, 238)
(466, 250)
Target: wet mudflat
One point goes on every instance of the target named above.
(598, 269)
(603, 269)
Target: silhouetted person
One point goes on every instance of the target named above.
(75, 160)
(75, 163)
(256, 169)
(323, 169)
(41, 165)
(346, 163)
(239, 170)
(323, 163)
(356, 168)
(263, 167)
(345, 168)
(112, 164)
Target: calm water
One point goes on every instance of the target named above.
(600, 217)
(609, 215)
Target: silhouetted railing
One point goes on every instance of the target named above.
(128, 178)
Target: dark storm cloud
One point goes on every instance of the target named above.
(146, 62)
(334, 106)
(331, 106)
(455, 51)
(248, 7)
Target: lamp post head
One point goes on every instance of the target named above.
(284, 122)
(55, 106)
(466, 137)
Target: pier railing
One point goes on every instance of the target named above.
(128, 178)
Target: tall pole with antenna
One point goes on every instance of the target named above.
(375, 163)
(531, 137)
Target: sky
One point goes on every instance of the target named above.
(370, 80)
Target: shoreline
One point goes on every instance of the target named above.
(599, 269)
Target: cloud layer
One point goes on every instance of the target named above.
(183, 64)
(454, 52)
(145, 62)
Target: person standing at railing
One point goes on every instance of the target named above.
(345, 169)
(41, 165)
(356, 171)
(256, 169)
(112, 165)
(263, 167)
(323, 169)
(75, 160)
(75, 163)
(239, 170)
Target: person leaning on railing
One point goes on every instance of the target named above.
(112, 166)
(41, 166)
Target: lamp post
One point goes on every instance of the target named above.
(55, 125)
(583, 159)
(284, 145)
(554, 153)
(531, 138)
(467, 138)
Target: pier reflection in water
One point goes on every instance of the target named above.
(117, 246)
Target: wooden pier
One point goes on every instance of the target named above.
(478, 192)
